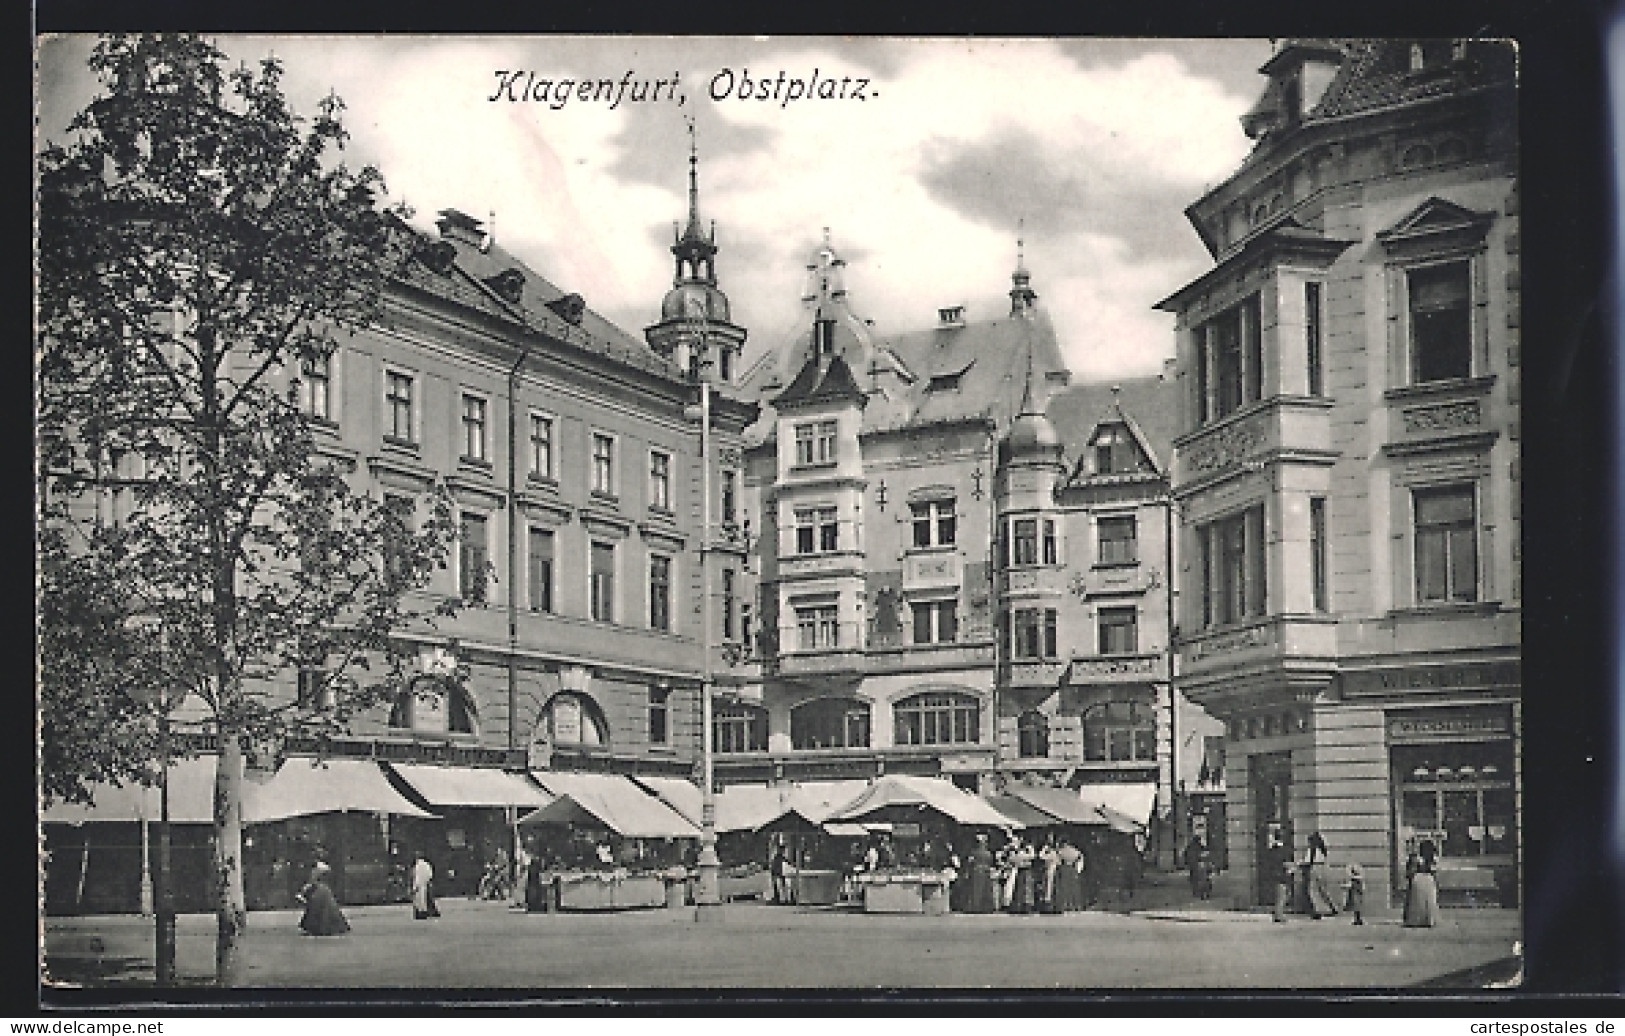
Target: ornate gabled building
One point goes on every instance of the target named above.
(1347, 467)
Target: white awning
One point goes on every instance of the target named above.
(191, 798)
(612, 800)
(1132, 802)
(934, 793)
(470, 786)
(304, 786)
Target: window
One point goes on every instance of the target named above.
(938, 719)
(725, 370)
(541, 446)
(817, 530)
(1233, 563)
(1119, 631)
(739, 728)
(1032, 735)
(659, 698)
(398, 404)
(603, 464)
(1311, 331)
(398, 514)
(659, 480)
(1119, 543)
(815, 443)
(541, 570)
(1446, 544)
(1116, 452)
(936, 622)
(318, 387)
(816, 627)
(823, 336)
(575, 719)
(1120, 731)
(730, 497)
(1026, 539)
(601, 584)
(473, 558)
(1441, 336)
(830, 723)
(432, 707)
(1320, 598)
(1035, 632)
(1051, 552)
(659, 592)
(934, 523)
(1232, 346)
(473, 428)
(1460, 795)
(745, 638)
(315, 692)
(728, 592)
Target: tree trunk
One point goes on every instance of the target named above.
(230, 912)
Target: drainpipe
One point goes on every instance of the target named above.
(513, 550)
(1173, 693)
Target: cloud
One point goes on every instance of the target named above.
(1098, 144)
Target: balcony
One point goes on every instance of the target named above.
(1440, 415)
(1283, 428)
(1116, 669)
(1036, 672)
(819, 566)
(1130, 578)
(1029, 580)
(926, 657)
(931, 569)
(1280, 638)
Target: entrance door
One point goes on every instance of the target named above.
(1269, 780)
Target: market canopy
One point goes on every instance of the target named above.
(1125, 807)
(1065, 805)
(933, 793)
(752, 807)
(1022, 813)
(470, 786)
(305, 786)
(611, 800)
(191, 798)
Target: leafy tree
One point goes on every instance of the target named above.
(200, 248)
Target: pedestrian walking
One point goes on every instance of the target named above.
(1068, 878)
(1355, 903)
(1279, 860)
(1422, 896)
(1321, 902)
(521, 880)
(423, 904)
(776, 864)
(982, 898)
(322, 914)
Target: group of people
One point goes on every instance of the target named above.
(1421, 884)
(322, 915)
(1052, 878)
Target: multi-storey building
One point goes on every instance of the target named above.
(1347, 467)
(943, 590)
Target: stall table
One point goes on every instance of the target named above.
(607, 890)
(815, 887)
(904, 892)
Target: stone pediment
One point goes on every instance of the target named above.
(1436, 225)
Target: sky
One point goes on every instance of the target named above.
(1087, 150)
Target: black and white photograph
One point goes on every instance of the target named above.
(618, 513)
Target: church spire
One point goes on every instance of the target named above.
(1022, 296)
(695, 249)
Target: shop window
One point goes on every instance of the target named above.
(1459, 796)
(1446, 545)
(937, 719)
(575, 719)
(1032, 735)
(1118, 540)
(1230, 361)
(473, 558)
(431, 706)
(1440, 322)
(1120, 732)
(739, 728)
(936, 622)
(1119, 631)
(1233, 567)
(830, 723)
(933, 523)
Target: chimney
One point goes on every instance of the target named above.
(459, 226)
(951, 316)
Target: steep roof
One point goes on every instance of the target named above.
(1149, 404)
(821, 380)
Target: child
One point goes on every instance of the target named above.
(1356, 899)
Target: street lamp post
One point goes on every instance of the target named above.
(164, 936)
(707, 893)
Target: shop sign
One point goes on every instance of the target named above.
(566, 720)
(1434, 677)
(1447, 724)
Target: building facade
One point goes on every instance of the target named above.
(1346, 473)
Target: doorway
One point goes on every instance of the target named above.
(1269, 786)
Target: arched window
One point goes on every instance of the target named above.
(575, 719)
(739, 728)
(1120, 731)
(938, 718)
(830, 723)
(432, 706)
(1032, 735)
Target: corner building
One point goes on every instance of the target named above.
(1346, 472)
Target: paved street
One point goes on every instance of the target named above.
(761, 946)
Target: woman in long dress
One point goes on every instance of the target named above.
(423, 904)
(1044, 871)
(322, 914)
(1321, 901)
(982, 898)
(1422, 899)
(1068, 878)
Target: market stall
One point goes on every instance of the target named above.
(604, 843)
(478, 807)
